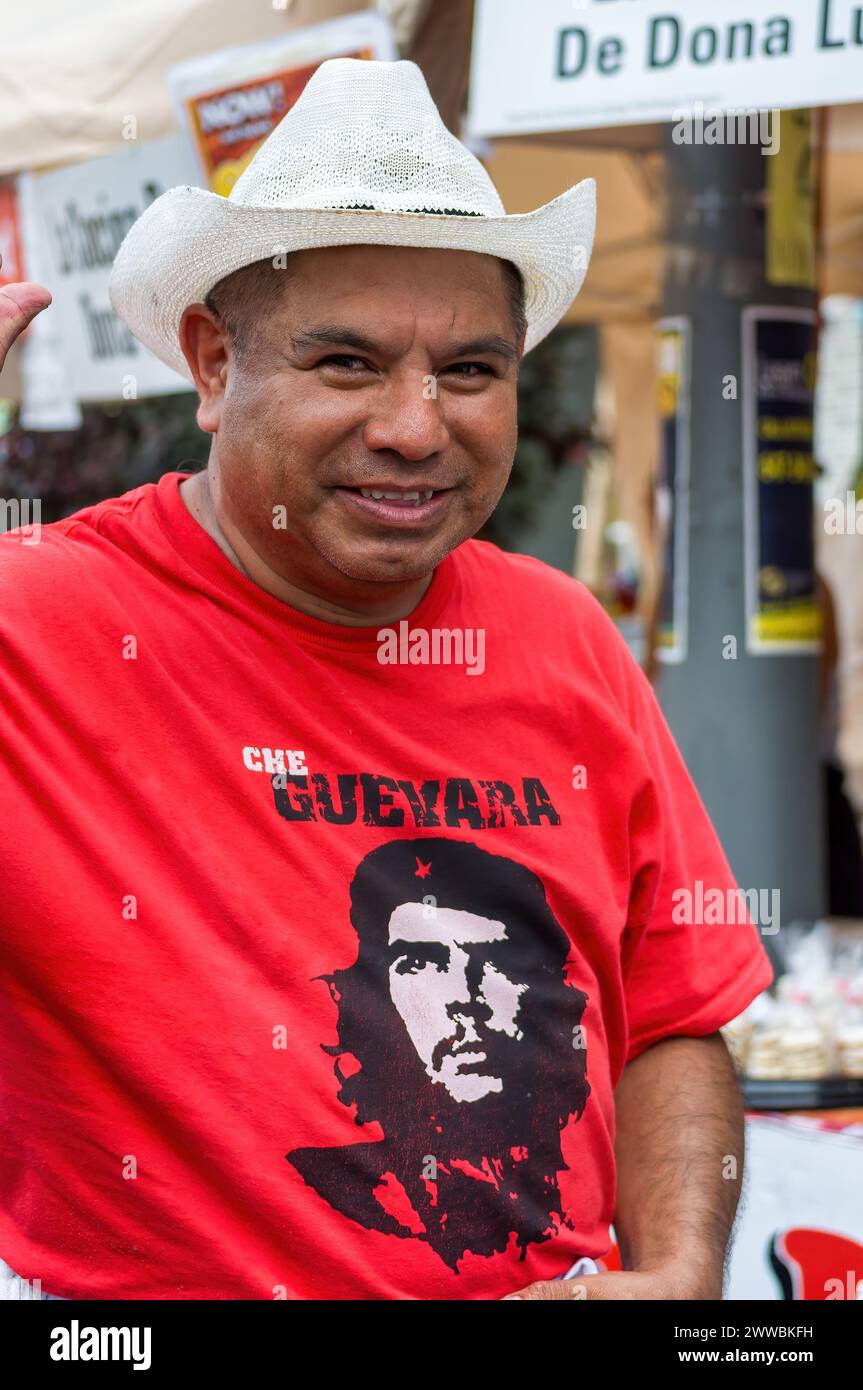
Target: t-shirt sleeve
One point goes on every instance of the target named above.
(692, 958)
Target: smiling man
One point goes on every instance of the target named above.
(274, 1023)
(391, 375)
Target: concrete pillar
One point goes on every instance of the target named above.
(748, 728)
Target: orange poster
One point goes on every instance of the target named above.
(229, 125)
(12, 264)
(230, 101)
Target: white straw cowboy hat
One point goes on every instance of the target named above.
(361, 157)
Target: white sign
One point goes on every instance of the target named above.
(85, 211)
(573, 64)
(800, 1224)
(47, 399)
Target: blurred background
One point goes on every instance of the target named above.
(691, 436)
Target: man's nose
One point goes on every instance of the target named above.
(407, 419)
(465, 983)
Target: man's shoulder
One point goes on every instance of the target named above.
(525, 582)
(62, 560)
(552, 613)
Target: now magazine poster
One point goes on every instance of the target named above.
(228, 102)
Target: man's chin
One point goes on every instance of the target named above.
(395, 564)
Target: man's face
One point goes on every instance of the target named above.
(448, 982)
(384, 369)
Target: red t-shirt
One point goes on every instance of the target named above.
(319, 968)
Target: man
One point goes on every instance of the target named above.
(470, 1052)
(201, 740)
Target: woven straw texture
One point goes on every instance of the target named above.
(362, 157)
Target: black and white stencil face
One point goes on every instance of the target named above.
(455, 1026)
(448, 981)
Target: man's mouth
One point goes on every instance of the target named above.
(468, 1061)
(397, 506)
(406, 498)
(465, 1053)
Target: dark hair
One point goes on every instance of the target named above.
(244, 298)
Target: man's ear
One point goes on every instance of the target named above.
(205, 344)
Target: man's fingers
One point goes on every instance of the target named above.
(18, 305)
(566, 1289)
(596, 1288)
(25, 298)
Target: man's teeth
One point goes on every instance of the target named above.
(415, 497)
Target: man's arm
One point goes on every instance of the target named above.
(679, 1153)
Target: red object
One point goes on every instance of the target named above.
(12, 268)
(816, 1265)
(610, 1263)
(200, 1096)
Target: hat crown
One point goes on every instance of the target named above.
(366, 134)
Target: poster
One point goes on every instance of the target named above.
(799, 1232)
(229, 101)
(672, 500)
(84, 211)
(11, 257)
(791, 229)
(47, 399)
(782, 613)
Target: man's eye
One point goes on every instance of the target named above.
(469, 370)
(411, 965)
(345, 361)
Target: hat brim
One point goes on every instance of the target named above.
(189, 239)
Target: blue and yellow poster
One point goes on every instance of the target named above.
(779, 470)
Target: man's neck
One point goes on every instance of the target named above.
(370, 609)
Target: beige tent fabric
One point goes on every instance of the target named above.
(628, 359)
(70, 74)
(842, 261)
(406, 17)
(624, 280)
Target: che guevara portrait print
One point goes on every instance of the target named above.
(459, 1034)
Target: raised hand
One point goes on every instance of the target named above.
(18, 305)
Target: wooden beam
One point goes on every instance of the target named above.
(441, 48)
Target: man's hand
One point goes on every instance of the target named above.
(670, 1283)
(18, 305)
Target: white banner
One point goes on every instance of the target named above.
(573, 64)
(799, 1232)
(85, 211)
(47, 399)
